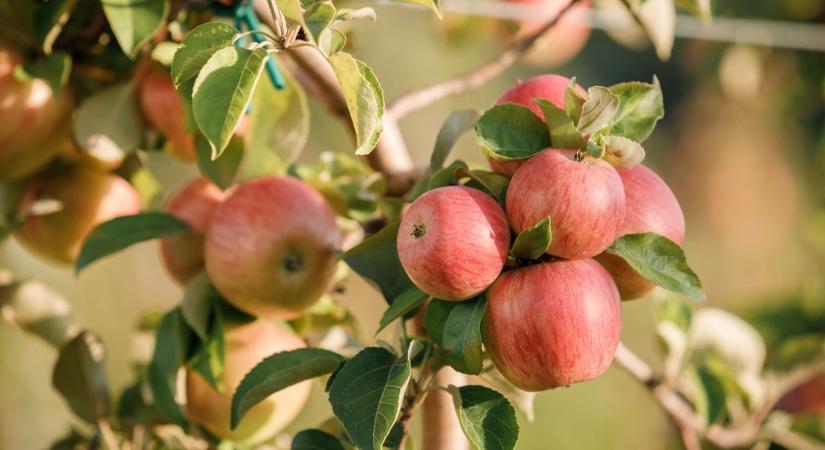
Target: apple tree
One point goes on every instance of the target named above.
(499, 282)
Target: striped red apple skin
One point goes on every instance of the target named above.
(585, 201)
(453, 241)
(553, 324)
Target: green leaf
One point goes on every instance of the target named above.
(291, 9)
(278, 129)
(222, 90)
(508, 131)
(447, 176)
(563, 133)
(376, 259)
(196, 305)
(660, 261)
(573, 101)
(54, 69)
(432, 5)
(172, 341)
(534, 241)
(114, 235)
(673, 310)
(366, 395)
(332, 41)
(408, 300)
(486, 417)
(313, 439)
(208, 357)
(197, 47)
(622, 152)
(134, 22)
(107, 125)
(461, 336)
(79, 375)
(597, 111)
(700, 8)
(640, 107)
(318, 17)
(435, 319)
(520, 399)
(222, 170)
(493, 183)
(457, 123)
(797, 352)
(364, 98)
(277, 372)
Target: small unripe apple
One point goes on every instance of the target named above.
(651, 208)
(807, 398)
(584, 199)
(548, 87)
(163, 110)
(564, 40)
(245, 346)
(87, 197)
(553, 324)
(194, 204)
(453, 242)
(270, 247)
(35, 122)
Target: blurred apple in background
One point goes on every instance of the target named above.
(75, 202)
(270, 247)
(194, 204)
(35, 121)
(245, 346)
(163, 110)
(564, 40)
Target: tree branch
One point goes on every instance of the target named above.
(417, 99)
(685, 418)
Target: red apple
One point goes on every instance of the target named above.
(270, 247)
(35, 121)
(651, 208)
(246, 346)
(87, 198)
(564, 40)
(194, 204)
(807, 398)
(453, 242)
(553, 324)
(584, 199)
(163, 110)
(549, 87)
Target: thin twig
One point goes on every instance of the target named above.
(107, 434)
(419, 98)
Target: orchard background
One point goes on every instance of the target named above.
(742, 145)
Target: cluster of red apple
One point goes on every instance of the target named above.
(556, 320)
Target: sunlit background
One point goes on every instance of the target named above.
(742, 145)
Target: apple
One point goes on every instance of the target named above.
(183, 253)
(564, 40)
(163, 110)
(35, 123)
(553, 323)
(651, 208)
(245, 346)
(584, 199)
(806, 398)
(550, 87)
(270, 247)
(453, 241)
(87, 198)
